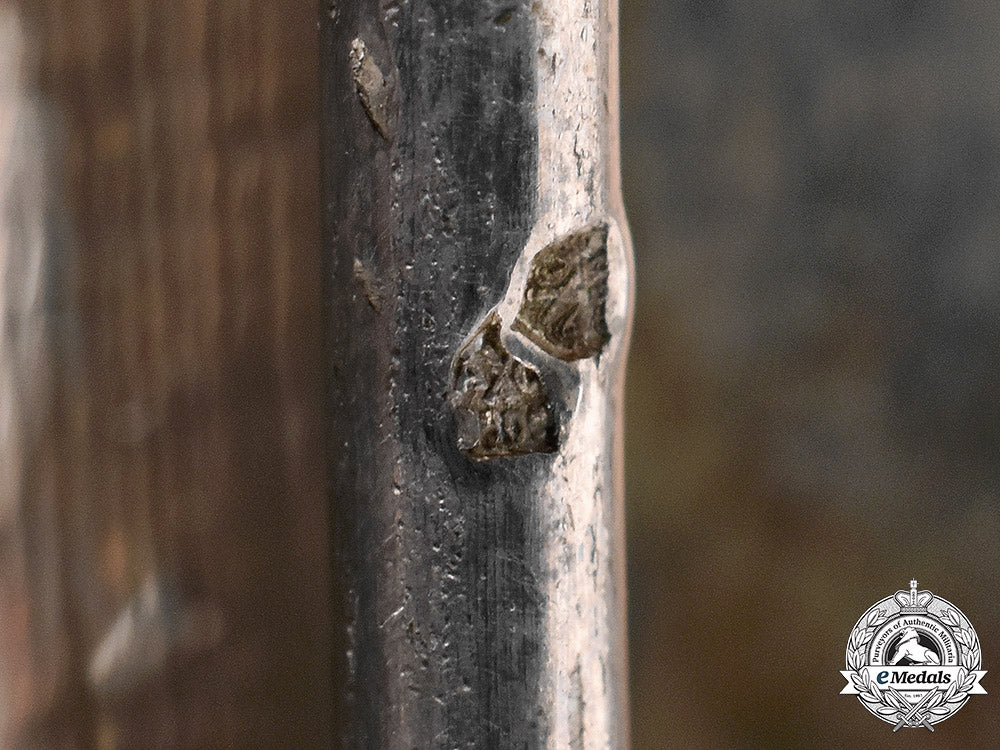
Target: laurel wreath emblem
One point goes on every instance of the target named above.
(941, 703)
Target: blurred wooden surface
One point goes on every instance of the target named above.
(181, 441)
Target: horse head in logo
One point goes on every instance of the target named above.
(909, 647)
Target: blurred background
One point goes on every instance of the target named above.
(814, 403)
(813, 408)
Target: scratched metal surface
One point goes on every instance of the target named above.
(486, 606)
(812, 399)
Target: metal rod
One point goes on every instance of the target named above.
(479, 292)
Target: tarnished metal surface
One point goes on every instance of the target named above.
(487, 599)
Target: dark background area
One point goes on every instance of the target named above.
(813, 411)
(814, 404)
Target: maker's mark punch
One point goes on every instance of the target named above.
(563, 307)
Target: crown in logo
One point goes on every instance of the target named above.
(913, 602)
